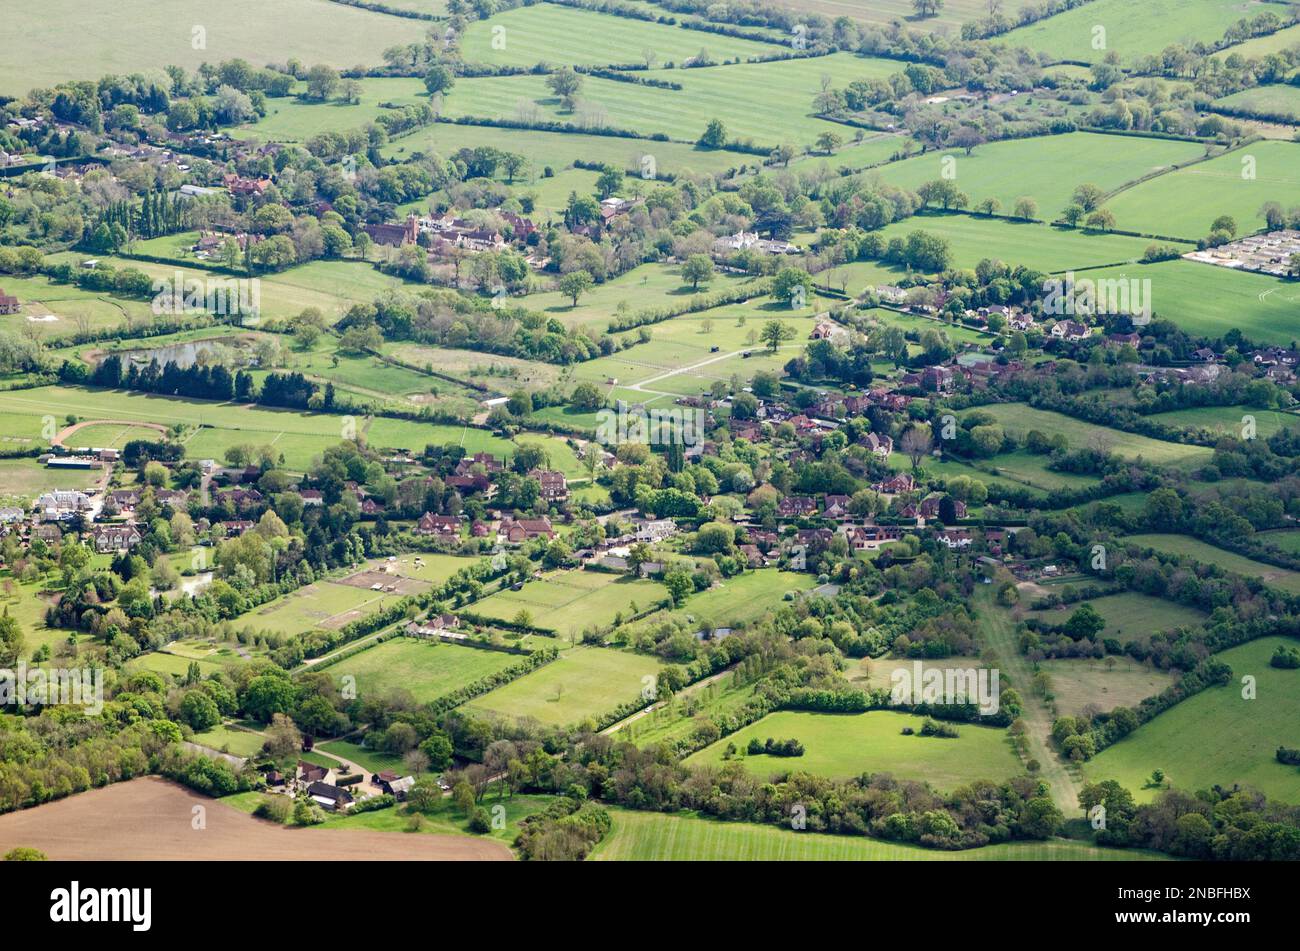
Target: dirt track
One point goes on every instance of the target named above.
(151, 818)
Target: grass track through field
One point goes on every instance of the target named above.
(1000, 637)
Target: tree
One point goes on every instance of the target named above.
(916, 443)
(1101, 220)
(828, 142)
(1088, 196)
(775, 333)
(679, 584)
(322, 81)
(574, 284)
(283, 739)
(697, 269)
(199, 711)
(439, 79)
(566, 84)
(1025, 208)
(793, 285)
(588, 398)
(715, 135)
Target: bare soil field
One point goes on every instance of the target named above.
(394, 583)
(153, 819)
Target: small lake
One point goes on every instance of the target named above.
(182, 354)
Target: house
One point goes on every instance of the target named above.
(394, 235)
(880, 444)
(891, 294)
(796, 506)
(437, 626)
(903, 482)
(308, 773)
(1071, 330)
(445, 525)
(555, 488)
(393, 784)
(1021, 321)
(836, 506)
(245, 187)
(869, 536)
(62, 503)
(929, 507)
(124, 500)
(235, 527)
(516, 531)
(311, 496)
(937, 379)
(49, 533)
(8, 303)
(489, 462)
(11, 514)
(955, 538)
(1119, 340)
(176, 498)
(1205, 355)
(754, 557)
(655, 530)
(330, 797)
(109, 538)
(824, 330)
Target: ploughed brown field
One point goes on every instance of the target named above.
(152, 818)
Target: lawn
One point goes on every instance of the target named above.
(1229, 420)
(1130, 616)
(559, 150)
(844, 745)
(683, 837)
(369, 760)
(27, 478)
(745, 597)
(1046, 169)
(1020, 418)
(570, 601)
(1043, 247)
(291, 119)
(583, 683)
(426, 670)
(61, 40)
(1078, 683)
(1185, 202)
(551, 34)
(229, 739)
(1279, 103)
(324, 604)
(1127, 29)
(1217, 736)
(1281, 578)
(776, 99)
(65, 308)
(1207, 300)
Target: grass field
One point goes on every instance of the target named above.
(745, 597)
(584, 682)
(1281, 578)
(1129, 30)
(425, 669)
(845, 745)
(64, 308)
(558, 150)
(1183, 203)
(369, 760)
(550, 34)
(27, 478)
(291, 119)
(325, 604)
(777, 98)
(1261, 46)
(1287, 540)
(1039, 246)
(1130, 616)
(127, 37)
(566, 601)
(683, 837)
(229, 739)
(1046, 169)
(1280, 103)
(1217, 736)
(298, 435)
(1020, 418)
(1206, 300)
(1078, 683)
(1229, 420)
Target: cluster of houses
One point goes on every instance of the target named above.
(321, 784)
(750, 241)
(444, 234)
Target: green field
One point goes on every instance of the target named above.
(1130, 30)
(745, 597)
(1130, 616)
(291, 119)
(1281, 578)
(1046, 169)
(584, 682)
(1079, 684)
(1229, 420)
(1287, 540)
(682, 837)
(27, 478)
(64, 309)
(550, 34)
(426, 670)
(1185, 202)
(324, 604)
(777, 97)
(369, 760)
(128, 37)
(1280, 103)
(1043, 247)
(1217, 737)
(569, 601)
(558, 150)
(1020, 418)
(846, 745)
(229, 739)
(1261, 46)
